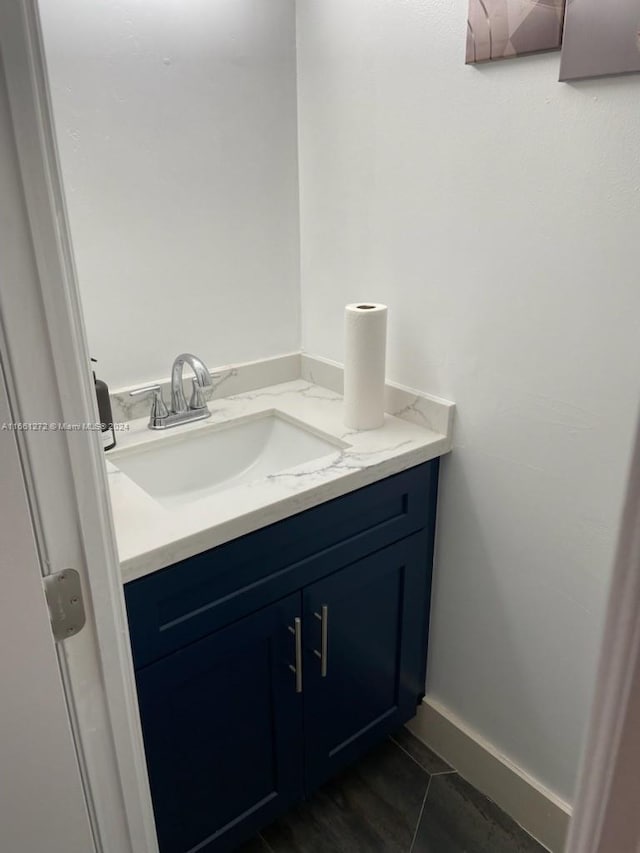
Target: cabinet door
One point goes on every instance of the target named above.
(222, 729)
(376, 615)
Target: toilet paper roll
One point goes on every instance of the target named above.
(365, 350)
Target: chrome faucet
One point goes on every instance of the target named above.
(160, 416)
(202, 379)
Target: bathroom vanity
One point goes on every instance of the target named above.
(265, 665)
(269, 656)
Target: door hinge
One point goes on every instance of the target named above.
(63, 592)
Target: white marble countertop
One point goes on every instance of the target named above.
(151, 536)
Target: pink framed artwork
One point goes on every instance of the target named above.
(500, 29)
(601, 37)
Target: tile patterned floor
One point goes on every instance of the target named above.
(401, 798)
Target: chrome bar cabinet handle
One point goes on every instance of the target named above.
(323, 617)
(297, 632)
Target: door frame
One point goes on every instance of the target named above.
(46, 364)
(606, 816)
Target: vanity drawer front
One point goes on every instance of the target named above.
(182, 603)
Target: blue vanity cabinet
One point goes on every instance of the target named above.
(240, 721)
(364, 653)
(223, 732)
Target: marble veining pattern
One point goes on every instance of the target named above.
(233, 379)
(151, 536)
(410, 405)
(418, 408)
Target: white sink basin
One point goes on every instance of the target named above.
(182, 468)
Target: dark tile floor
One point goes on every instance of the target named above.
(400, 798)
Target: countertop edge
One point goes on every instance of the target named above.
(165, 555)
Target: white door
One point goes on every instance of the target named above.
(72, 768)
(42, 804)
(42, 800)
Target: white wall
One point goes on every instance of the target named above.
(497, 212)
(177, 131)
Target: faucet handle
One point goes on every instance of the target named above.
(197, 400)
(159, 409)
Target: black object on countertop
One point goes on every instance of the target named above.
(104, 410)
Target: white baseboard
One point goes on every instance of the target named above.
(538, 810)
